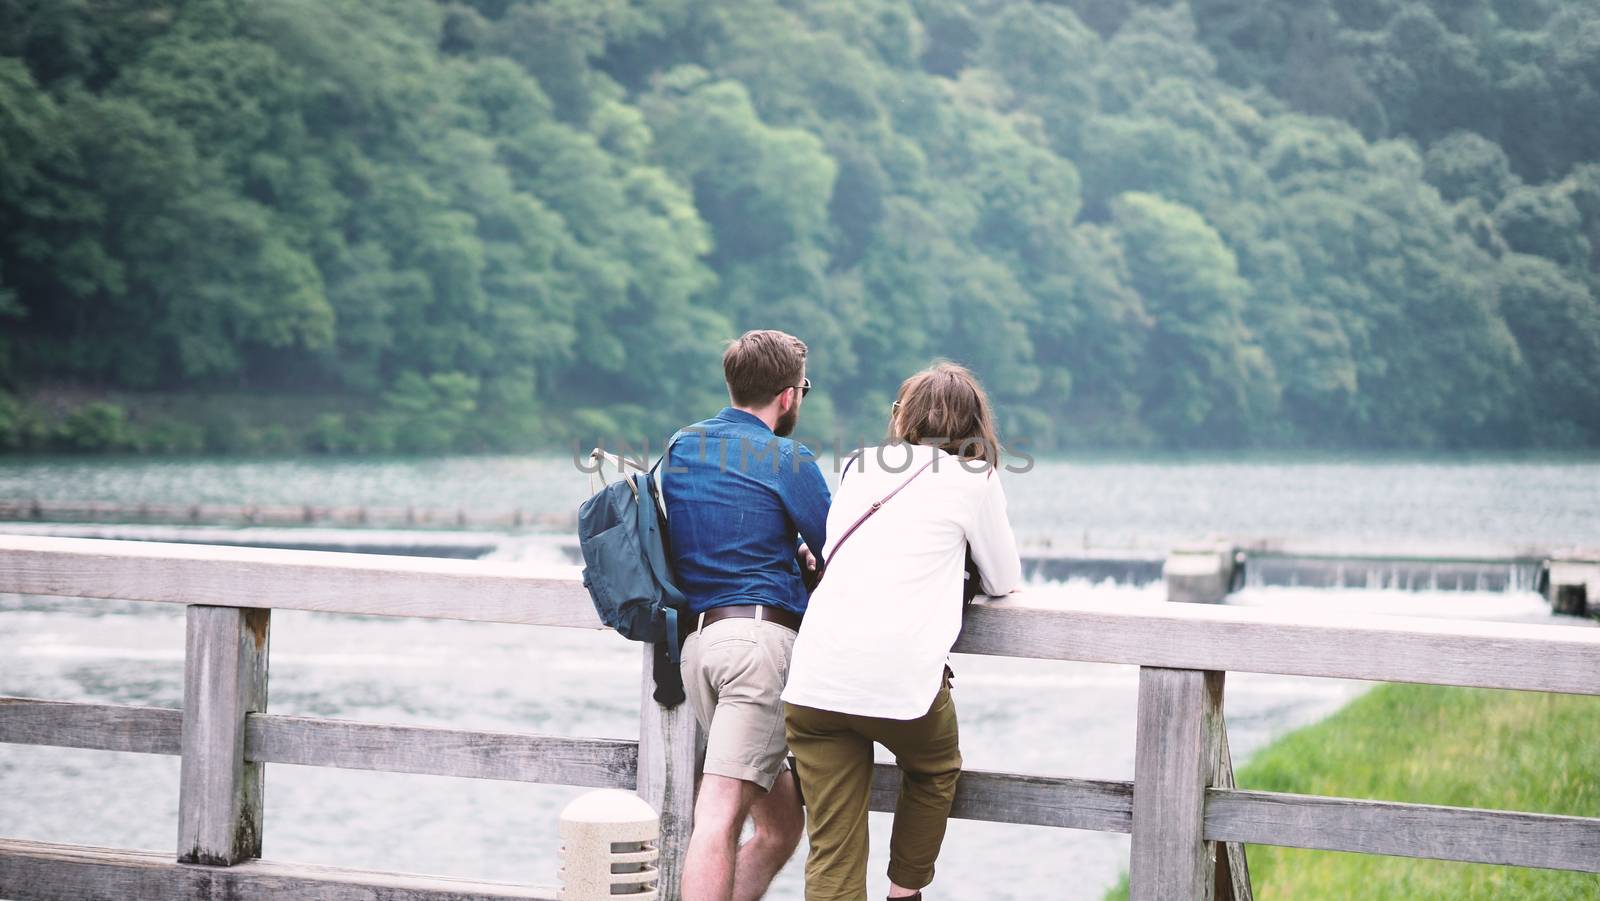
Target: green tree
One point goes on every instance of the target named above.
(1466, 165)
(1556, 321)
(1213, 377)
(1543, 221)
(492, 223)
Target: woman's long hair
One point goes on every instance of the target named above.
(944, 405)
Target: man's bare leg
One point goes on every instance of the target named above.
(779, 823)
(715, 866)
(709, 861)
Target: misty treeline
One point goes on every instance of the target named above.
(421, 225)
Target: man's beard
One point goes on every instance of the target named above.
(787, 422)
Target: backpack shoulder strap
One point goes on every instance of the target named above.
(649, 525)
(667, 449)
(655, 476)
(853, 458)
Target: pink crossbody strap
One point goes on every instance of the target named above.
(876, 506)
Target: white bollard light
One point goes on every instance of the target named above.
(609, 845)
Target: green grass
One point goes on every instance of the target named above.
(1507, 750)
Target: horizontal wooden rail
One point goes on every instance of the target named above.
(1404, 830)
(1094, 804)
(40, 871)
(97, 727)
(1267, 818)
(344, 744)
(516, 757)
(1176, 636)
(322, 581)
(1370, 647)
(593, 762)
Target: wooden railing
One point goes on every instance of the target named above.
(1180, 807)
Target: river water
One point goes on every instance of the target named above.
(1019, 716)
(1101, 501)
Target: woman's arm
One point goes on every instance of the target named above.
(994, 547)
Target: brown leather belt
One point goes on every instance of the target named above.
(786, 618)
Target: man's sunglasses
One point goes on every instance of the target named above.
(804, 386)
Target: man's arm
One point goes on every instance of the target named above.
(806, 498)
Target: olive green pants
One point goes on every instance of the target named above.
(833, 761)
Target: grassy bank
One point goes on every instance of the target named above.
(1422, 744)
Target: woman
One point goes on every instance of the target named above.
(869, 663)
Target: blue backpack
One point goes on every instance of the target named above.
(621, 531)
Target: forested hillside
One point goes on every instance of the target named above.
(375, 225)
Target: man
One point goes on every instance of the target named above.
(738, 492)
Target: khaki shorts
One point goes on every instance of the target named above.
(734, 671)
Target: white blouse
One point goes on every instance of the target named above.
(878, 629)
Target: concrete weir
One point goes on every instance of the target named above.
(1367, 571)
(1129, 567)
(1208, 572)
(1202, 574)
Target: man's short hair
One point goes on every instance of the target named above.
(761, 363)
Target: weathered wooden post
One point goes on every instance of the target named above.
(1177, 752)
(668, 757)
(224, 679)
(1233, 870)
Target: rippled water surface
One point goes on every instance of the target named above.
(1103, 501)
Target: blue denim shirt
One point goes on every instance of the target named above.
(736, 496)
